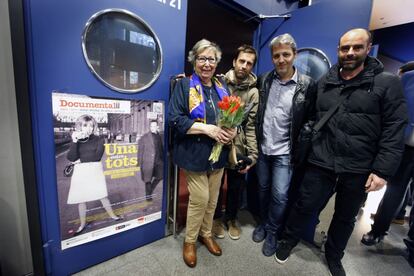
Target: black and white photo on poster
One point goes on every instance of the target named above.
(109, 165)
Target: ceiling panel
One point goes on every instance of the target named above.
(386, 13)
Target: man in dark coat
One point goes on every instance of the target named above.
(150, 159)
(356, 151)
(397, 186)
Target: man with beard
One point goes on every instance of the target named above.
(356, 151)
(241, 82)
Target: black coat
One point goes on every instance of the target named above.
(302, 106)
(366, 133)
(150, 156)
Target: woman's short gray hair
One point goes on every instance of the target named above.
(286, 39)
(201, 46)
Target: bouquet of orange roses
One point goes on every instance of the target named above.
(231, 116)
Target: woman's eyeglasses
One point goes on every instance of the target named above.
(203, 60)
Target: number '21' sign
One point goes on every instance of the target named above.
(176, 4)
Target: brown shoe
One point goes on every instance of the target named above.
(234, 230)
(218, 229)
(190, 254)
(398, 221)
(211, 245)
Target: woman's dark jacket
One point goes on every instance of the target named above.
(191, 152)
(366, 133)
(302, 107)
(90, 150)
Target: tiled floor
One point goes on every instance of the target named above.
(244, 257)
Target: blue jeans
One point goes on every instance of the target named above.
(274, 173)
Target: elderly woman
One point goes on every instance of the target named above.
(193, 116)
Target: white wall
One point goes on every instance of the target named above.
(15, 254)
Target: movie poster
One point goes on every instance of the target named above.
(109, 165)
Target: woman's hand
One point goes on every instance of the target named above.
(212, 131)
(77, 135)
(222, 135)
(226, 135)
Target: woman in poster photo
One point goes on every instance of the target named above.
(88, 180)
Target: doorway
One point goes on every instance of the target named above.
(220, 23)
(228, 26)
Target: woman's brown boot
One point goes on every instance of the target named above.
(190, 254)
(211, 245)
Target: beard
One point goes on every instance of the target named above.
(357, 61)
(241, 75)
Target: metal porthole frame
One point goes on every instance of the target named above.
(316, 50)
(149, 29)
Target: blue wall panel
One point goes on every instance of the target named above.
(56, 62)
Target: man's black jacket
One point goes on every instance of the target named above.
(366, 133)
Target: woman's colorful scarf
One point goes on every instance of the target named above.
(196, 100)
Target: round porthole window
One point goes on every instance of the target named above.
(312, 62)
(121, 50)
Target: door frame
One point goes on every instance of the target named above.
(21, 82)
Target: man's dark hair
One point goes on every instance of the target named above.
(246, 49)
(409, 66)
